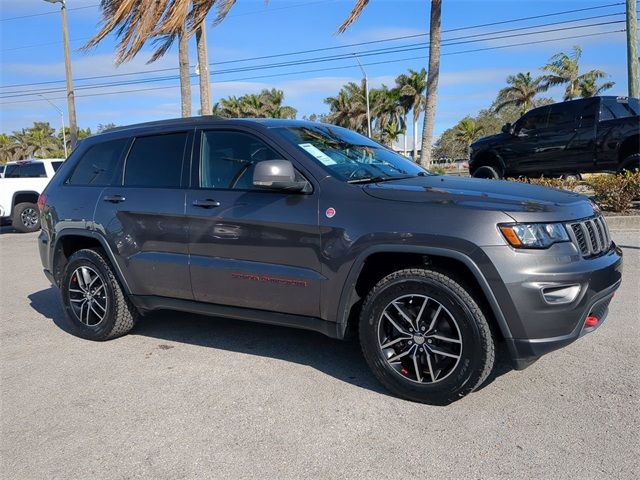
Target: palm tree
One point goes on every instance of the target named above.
(467, 131)
(386, 108)
(266, 104)
(588, 87)
(185, 80)
(390, 133)
(349, 108)
(565, 69)
(412, 87)
(432, 77)
(521, 92)
(138, 21)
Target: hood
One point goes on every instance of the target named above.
(522, 202)
(498, 137)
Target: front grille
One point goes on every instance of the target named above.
(591, 236)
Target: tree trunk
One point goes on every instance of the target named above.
(432, 82)
(405, 135)
(185, 81)
(203, 62)
(415, 137)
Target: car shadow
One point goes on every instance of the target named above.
(342, 360)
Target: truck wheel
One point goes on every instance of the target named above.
(96, 306)
(486, 172)
(425, 338)
(631, 163)
(26, 217)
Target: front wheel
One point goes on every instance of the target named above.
(425, 338)
(487, 172)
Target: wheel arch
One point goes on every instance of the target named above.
(402, 256)
(70, 241)
(489, 158)
(629, 146)
(24, 196)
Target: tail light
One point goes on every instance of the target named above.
(42, 201)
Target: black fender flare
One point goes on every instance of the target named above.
(22, 192)
(348, 292)
(491, 152)
(80, 232)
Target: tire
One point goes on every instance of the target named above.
(412, 376)
(26, 217)
(572, 176)
(118, 313)
(486, 172)
(631, 163)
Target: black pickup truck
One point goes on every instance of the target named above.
(598, 134)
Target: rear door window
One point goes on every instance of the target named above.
(156, 161)
(26, 170)
(98, 165)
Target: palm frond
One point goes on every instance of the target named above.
(353, 16)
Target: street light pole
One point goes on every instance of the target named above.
(366, 88)
(71, 104)
(64, 135)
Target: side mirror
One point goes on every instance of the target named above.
(278, 175)
(506, 128)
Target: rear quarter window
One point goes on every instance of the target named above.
(98, 164)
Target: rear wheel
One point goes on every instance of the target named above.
(95, 304)
(425, 338)
(486, 172)
(26, 217)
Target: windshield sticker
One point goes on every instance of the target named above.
(319, 154)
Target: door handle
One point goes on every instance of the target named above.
(208, 203)
(113, 198)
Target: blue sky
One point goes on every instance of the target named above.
(31, 51)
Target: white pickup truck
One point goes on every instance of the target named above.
(20, 186)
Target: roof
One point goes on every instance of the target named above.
(208, 119)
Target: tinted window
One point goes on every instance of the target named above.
(156, 161)
(618, 108)
(534, 120)
(25, 170)
(56, 165)
(97, 166)
(228, 159)
(562, 116)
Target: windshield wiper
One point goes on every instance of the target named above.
(377, 179)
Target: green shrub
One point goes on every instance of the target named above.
(615, 192)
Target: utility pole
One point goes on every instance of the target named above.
(632, 48)
(59, 110)
(366, 92)
(71, 103)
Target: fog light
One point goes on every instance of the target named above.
(591, 321)
(558, 295)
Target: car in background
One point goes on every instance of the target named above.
(21, 184)
(597, 134)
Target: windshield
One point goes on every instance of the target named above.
(349, 156)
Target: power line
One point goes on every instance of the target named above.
(308, 61)
(331, 68)
(46, 13)
(302, 52)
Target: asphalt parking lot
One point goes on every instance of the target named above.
(185, 396)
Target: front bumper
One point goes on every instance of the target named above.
(536, 325)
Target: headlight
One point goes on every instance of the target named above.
(534, 235)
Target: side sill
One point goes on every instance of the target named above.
(146, 303)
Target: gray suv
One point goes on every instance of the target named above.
(313, 226)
